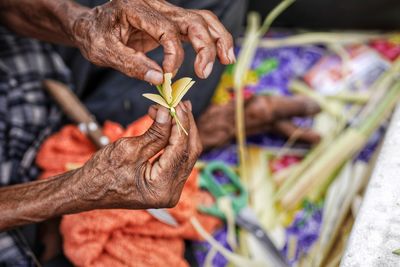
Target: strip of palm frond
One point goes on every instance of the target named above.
(246, 55)
(396, 252)
(312, 156)
(338, 195)
(348, 186)
(171, 94)
(321, 38)
(344, 148)
(339, 243)
(279, 9)
(299, 87)
(281, 176)
(261, 187)
(302, 167)
(379, 89)
(230, 256)
(351, 97)
(243, 64)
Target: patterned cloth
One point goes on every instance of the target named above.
(27, 116)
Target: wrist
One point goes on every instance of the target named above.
(36, 201)
(70, 14)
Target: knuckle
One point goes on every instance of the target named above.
(208, 13)
(122, 146)
(196, 19)
(155, 133)
(169, 32)
(229, 39)
(199, 19)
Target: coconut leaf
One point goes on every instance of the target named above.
(167, 88)
(181, 94)
(171, 95)
(179, 85)
(157, 98)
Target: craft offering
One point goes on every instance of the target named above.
(171, 94)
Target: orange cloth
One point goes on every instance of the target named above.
(120, 237)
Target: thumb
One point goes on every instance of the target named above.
(157, 136)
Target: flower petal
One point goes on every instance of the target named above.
(157, 98)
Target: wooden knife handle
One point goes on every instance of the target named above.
(76, 111)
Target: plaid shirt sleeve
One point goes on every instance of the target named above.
(27, 117)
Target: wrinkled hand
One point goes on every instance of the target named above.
(262, 113)
(119, 33)
(125, 174)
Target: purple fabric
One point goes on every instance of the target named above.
(305, 229)
(201, 249)
(369, 149)
(292, 62)
(226, 154)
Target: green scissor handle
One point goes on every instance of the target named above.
(209, 182)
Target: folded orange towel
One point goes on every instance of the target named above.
(120, 237)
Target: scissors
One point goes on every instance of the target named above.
(244, 216)
(78, 113)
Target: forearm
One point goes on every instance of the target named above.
(48, 20)
(41, 200)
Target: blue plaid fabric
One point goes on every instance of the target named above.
(27, 117)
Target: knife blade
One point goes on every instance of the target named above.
(248, 220)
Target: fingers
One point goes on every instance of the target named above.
(134, 64)
(152, 112)
(287, 107)
(173, 52)
(176, 153)
(217, 125)
(195, 144)
(193, 28)
(183, 150)
(290, 130)
(222, 37)
(157, 136)
(166, 33)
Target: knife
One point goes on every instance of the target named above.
(87, 123)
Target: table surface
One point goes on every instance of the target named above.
(376, 232)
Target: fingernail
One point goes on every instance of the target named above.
(312, 107)
(162, 115)
(231, 55)
(188, 104)
(154, 77)
(207, 70)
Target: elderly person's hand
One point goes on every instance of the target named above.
(262, 114)
(131, 173)
(147, 171)
(119, 33)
